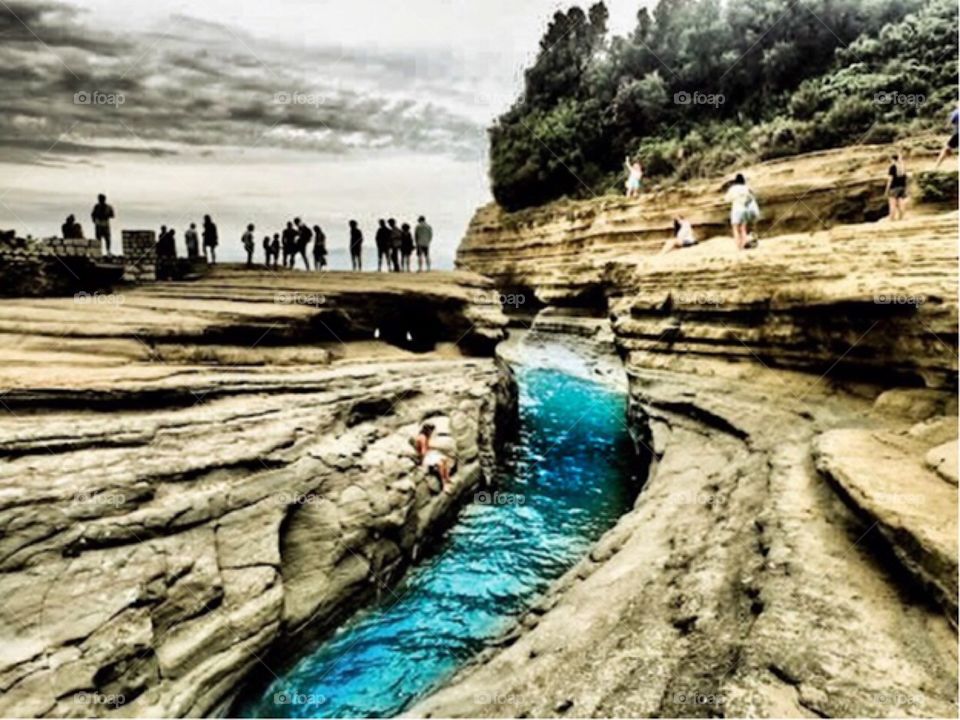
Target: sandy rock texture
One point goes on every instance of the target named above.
(557, 253)
(193, 473)
(794, 551)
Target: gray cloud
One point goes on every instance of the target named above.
(194, 85)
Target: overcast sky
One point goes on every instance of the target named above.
(256, 111)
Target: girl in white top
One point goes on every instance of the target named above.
(634, 176)
(682, 235)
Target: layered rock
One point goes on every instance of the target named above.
(194, 473)
(794, 551)
(557, 253)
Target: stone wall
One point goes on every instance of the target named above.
(139, 255)
(53, 266)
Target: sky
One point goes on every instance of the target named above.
(255, 111)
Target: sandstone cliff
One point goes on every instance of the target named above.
(558, 252)
(794, 551)
(191, 472)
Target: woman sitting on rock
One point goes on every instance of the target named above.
(431, 459)
(682, 235)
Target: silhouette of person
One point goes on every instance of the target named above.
(71, 229)
(290, 235)
(356, 247)
(406, 247)
(275, 250)
(423, 236)
(304, 236)
(383, 246)
(319, 248)
(266, 250)
(249, 244)
(166, 253)
(210, 240)
(396, 240)
(192, 240)
(101, 216)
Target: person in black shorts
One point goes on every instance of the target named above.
(897, 187)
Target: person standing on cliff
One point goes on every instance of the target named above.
(896, 190)
(383, 246)
(423, 236)
(275, 250)
(356, 247)
(396, 241)
(743, 210)
(289, 245)
(267, 253)
(249, 244)
(406, 247)
(192, 241)
(319, 249)
(101, 215)
(166, 253)
(634, 170)
(304, 238)
(210, 240)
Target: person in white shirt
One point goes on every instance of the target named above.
(743, 210)
(682, 235)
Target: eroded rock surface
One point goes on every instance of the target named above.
(191, 472)
(794, 550)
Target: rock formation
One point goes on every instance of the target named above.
(193, 472)
(794, 551)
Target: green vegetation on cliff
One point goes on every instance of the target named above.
(703, 85)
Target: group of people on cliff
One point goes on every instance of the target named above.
(396, 244)
(745, 208)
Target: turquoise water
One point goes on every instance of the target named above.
(565, 480)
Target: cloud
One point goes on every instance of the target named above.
(69, 90)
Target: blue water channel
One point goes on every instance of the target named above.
(567, 478)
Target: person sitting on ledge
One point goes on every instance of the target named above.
(71, 229)
(431, 459)
(682, 235)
